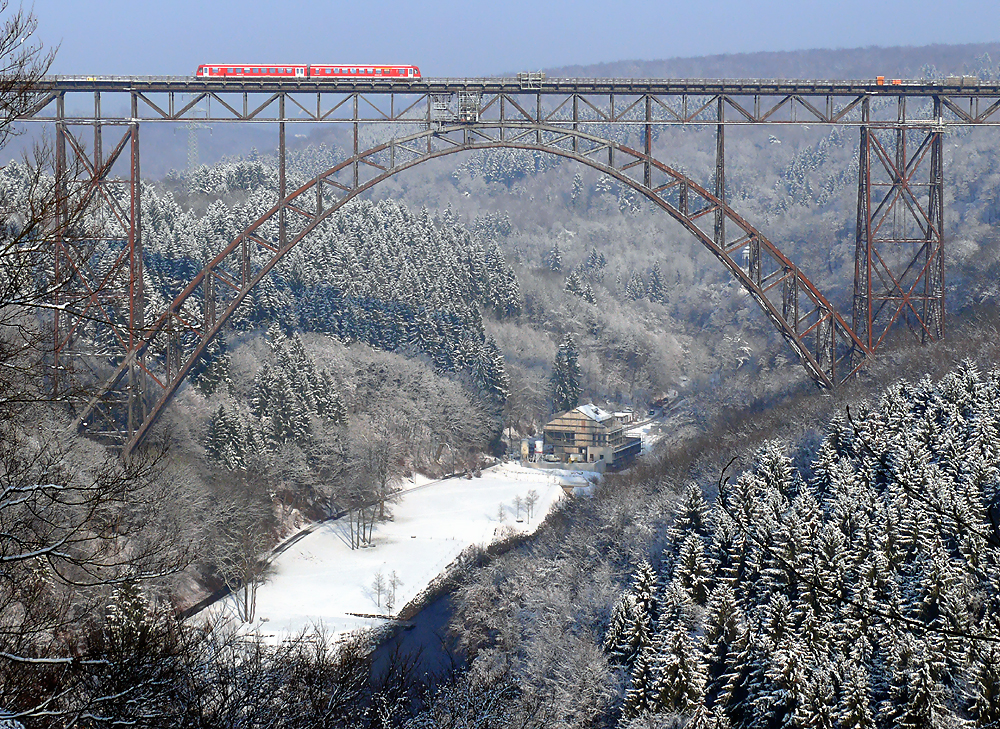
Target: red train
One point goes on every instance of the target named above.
(331, 72)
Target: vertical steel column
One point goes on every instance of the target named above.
(538, 118)
(137, 302)
(503, 115)
(862, 310)
(647, 165)
(319, 183)
(356, 164)
(98, 153)
(282, 183)
(576, 122)
(611, 147)
(720, 175)
(62, 220)
(934, 281)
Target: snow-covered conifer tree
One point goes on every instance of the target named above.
(553, 258)
(566, 376)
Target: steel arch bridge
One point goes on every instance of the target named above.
(900, 170)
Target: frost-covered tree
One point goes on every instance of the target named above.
(577, 188)
(635, 289)
(566, 376)
(553, 258)
(229, 441)
(490, 372)
(656, 289)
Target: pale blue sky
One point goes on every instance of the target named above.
(479, 37)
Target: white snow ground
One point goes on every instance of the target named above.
(320, 581)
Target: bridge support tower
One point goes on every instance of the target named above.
(98, 263)
(899, 258)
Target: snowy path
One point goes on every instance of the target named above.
(320, 580)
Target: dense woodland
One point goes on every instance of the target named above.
(785, 558)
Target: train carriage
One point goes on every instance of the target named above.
(389, 72)
(315, 71)
(228, 70)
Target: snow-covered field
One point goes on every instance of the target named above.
(321, 580)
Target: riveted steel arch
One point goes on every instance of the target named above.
(825, 344)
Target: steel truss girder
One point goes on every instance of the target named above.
(899, 258)
(620, 101)
(173, 342)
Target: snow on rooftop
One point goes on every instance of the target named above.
(321, 580)
(595, 413)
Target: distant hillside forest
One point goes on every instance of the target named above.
(912, 62)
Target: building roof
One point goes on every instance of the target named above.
(595, 413)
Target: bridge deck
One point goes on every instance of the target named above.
(737, 87)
